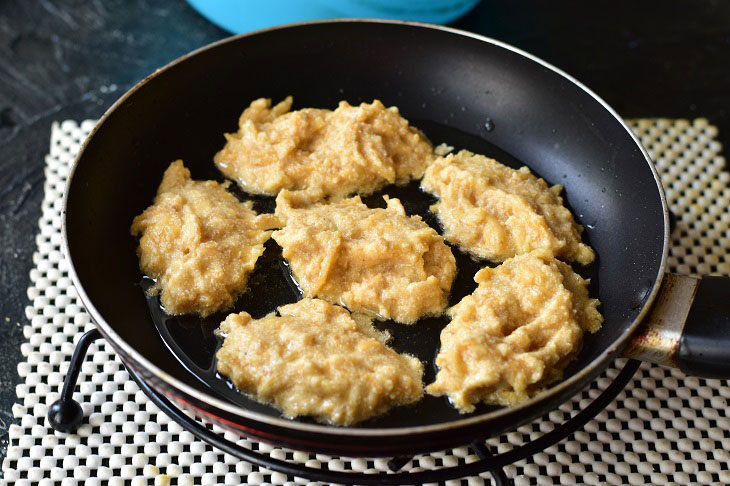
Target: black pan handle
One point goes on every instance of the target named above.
(688, 327)
(704, 348)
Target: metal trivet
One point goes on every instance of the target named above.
(65, 415)
(663, 428)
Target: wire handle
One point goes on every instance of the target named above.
(66, 414)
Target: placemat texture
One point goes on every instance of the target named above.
(664, 428)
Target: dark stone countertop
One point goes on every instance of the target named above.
(70, 59)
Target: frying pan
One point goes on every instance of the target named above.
(466, 90)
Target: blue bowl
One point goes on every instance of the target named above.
(239, 16)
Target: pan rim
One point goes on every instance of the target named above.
(590, 369)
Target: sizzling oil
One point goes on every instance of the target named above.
(193, 342)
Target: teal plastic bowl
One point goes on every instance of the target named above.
(239, 16)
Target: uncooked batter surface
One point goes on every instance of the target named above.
(316, 360)
(515, 333)
(496, 212)
(199, 243)
(325, 153)
(375, 261)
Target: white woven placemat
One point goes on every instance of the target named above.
(664, 428)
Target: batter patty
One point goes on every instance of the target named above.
(375, 261)
(327, 154)
(199, 243)
(316, 360)
(515, 333)
(496, 212)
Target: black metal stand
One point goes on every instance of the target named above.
(498, 474)
(65, 415)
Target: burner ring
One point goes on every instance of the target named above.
(487, 462)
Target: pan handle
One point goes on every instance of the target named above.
(688, 327)
(704, 349)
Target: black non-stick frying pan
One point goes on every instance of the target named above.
(462, 89)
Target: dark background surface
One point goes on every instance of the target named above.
(71, 59)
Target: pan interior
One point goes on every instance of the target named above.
(460, 90)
